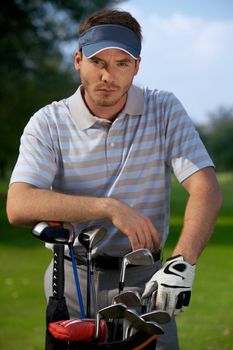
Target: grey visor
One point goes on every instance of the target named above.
(109, 36)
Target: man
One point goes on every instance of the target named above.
(104, 156)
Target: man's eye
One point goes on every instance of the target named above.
(98, 63)
(123, 64)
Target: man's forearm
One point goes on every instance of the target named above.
(26, 205)
(199, 220)
(200, 216)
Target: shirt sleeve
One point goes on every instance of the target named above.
(185, 152)
(36, 163)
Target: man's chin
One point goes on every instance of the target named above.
(106, 102)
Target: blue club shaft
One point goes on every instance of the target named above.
(79, 294)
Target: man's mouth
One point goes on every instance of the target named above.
(106, 89)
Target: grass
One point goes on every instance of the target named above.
(22, 263)
(206, 325)
(208, 322)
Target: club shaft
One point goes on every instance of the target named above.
(122, 276)
(93, 292)
(88, 305)
(79, 294)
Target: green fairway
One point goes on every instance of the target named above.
(208, 322)
(206, 325)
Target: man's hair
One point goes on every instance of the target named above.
(112, 17)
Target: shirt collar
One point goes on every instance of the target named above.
(83, 117)
(135, 101)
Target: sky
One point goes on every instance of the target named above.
(187, 49)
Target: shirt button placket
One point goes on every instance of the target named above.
(113, 154)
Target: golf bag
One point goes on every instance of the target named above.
(138, 341)
(57, 312)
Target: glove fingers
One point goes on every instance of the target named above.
(161, 298)
(187, 297)
(149, 288)
(171, 303)
(182, 302)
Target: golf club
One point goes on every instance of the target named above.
(131, 317)
(53, 234)
(78, 288)
(158, 316)
(149, 327)
(61, 235)
(137, 323)
(151, 299)
(109, 312)
(129, 298)
(139, 257)
(89, 238)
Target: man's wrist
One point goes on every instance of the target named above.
(188, 257)
(108, 206)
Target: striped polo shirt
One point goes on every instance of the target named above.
(65, 148)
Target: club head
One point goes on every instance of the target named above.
(91, 236)
(133, 317)
(129, 298)
(152, 328)
(113, 311)
(137, 323)
(139, 257)
(158, 316)
(55, 235)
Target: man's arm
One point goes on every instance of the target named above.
(27, 205)
(202, 208)
(174, 280)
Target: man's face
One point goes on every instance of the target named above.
(106, 78)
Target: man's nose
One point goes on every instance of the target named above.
(107, 75)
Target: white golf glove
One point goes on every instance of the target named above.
(173, 283)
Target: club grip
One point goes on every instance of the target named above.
(58, 271)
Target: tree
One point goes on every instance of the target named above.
(217, 136)
(34, 69)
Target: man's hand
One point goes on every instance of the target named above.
(174, 284)
(139, 228)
